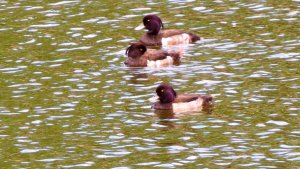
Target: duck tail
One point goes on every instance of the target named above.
(207, 99)
(207, 104)
(176, 55)
(194, 37)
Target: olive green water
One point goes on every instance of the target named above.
(67, 100)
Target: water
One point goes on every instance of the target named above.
(67, 100)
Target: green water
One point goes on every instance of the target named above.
(67, 100)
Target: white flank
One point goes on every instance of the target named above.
(160, 63)
(192, 106)
(176, 39)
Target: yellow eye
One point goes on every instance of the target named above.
(141, 49)
(162, 90)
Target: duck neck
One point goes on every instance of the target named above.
(168, 97)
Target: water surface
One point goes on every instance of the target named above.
(67, 100)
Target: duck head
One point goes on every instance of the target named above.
(166, 93)
(152, 23)
(136, 50)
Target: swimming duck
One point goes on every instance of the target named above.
(170, 100)
(157, 37)
(140, 56)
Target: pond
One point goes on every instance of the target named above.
(68, 101)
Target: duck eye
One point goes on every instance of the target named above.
(141, 49)
(162, 90)
(148, 20)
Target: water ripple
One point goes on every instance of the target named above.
(69, 101)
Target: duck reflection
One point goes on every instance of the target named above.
(136, 77)
(165, 117)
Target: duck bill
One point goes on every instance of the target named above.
(153, 99)
(140, 27)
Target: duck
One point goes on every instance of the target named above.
(140, 56)
(158, 36)
(168, 99)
